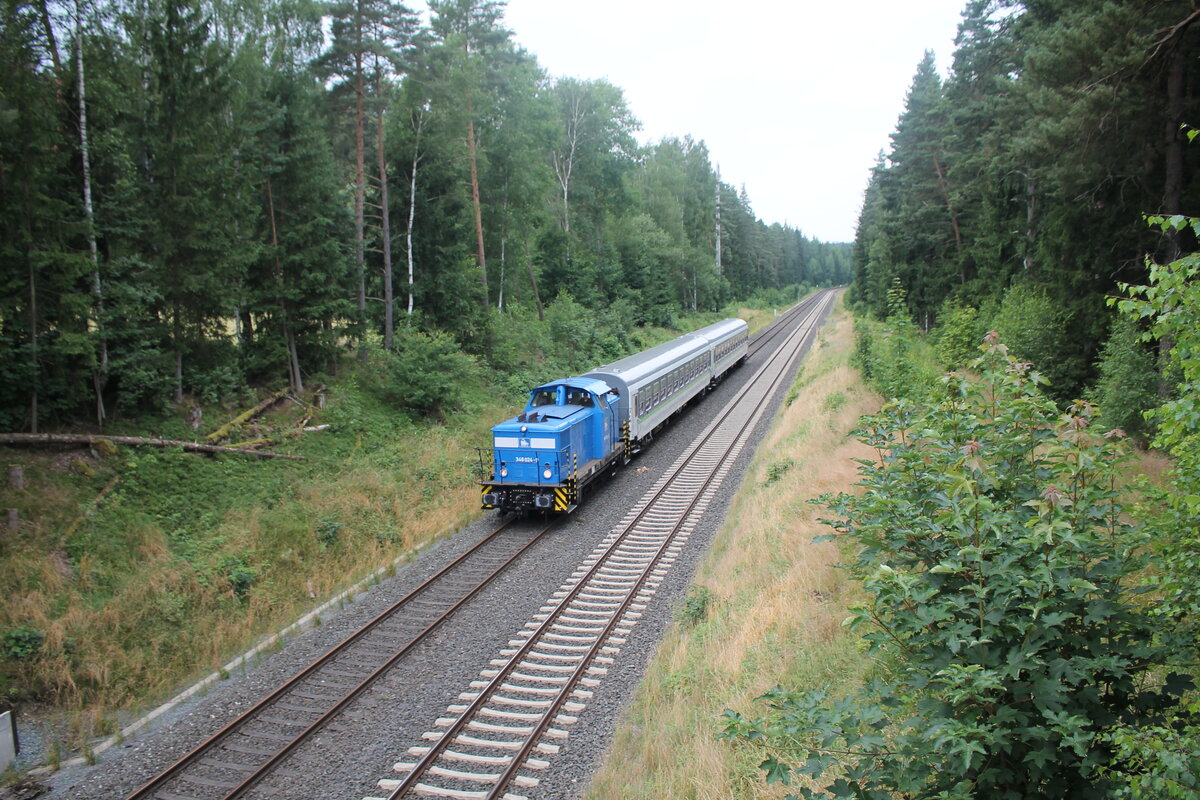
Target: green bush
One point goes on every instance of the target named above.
(328, 531)
(889, 357)
(240, 575)
(1036, 329)
(696, 606)
(23, 643)
(1000, 576)
(426, 374)
(958, 335)
(1128, 385)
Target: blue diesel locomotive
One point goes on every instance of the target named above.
(573, 430)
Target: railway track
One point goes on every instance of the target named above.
(513, 718)
(781, 326)
(236, 758)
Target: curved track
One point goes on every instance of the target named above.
(518, 711)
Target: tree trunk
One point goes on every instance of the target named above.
(503, 249)
(136, 441)
(385, 218)
(100, 372)
(1172, 202)
(33, 348)
(1172, 184)
(359, 186)
(52, 46)
(472, 158)
(245, 416)
(412, 212)
(289, 335)
(533, 282)
(178, 331)
(564, 166)
(718, 222)
(945, 187)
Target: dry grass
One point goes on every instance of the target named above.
(777, 603)
(123, 633)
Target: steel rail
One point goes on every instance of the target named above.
(214, 742)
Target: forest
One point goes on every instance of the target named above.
(199, 197)
(1014, 191)
(1024, 532)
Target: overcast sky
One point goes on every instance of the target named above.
(794, 98)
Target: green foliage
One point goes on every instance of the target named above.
(1160, 761)
(696, 606)
(327, 531)
(239, 574)
(1157, 762)
(427, 374)
(1036, 329)
(777, 470)
(959, 334)
(1001, 604)
(1171, 306)
(1128, 383)
(22, 643)
(1028, 166)
(891, 358)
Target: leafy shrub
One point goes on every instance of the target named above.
(1160, 761)
(887, 355)
(998, 569)
(1128, 385)
(958, 335)
(696, 605)
(240, 575)
(777, 470)
(23, 643)
(327, 532)
(427, 374)
(1036, 329)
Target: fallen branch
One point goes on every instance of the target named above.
(136, 441)
(224, 430)
(250, 444)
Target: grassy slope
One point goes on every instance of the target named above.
(766, 607)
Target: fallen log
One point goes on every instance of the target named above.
(246, 416)
(136, 441)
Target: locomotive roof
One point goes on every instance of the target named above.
(593, 385)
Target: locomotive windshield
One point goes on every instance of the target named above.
(542, 397)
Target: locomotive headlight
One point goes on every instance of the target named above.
(504, 472)
(547, 473)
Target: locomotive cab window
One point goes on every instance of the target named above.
(578, 397)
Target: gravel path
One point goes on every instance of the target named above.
(358, 749)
